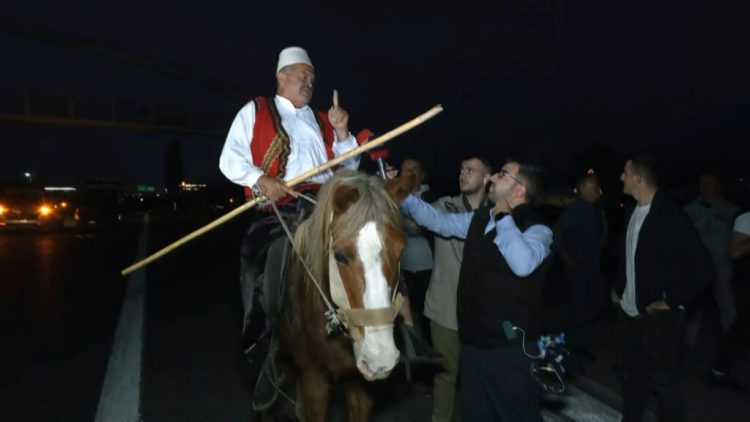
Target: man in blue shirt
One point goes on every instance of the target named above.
(500, 283)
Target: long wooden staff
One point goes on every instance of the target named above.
(297, 180)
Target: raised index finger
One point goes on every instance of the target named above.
(335, 98)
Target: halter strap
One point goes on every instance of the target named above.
(371, 317)
(345, 316)
(355, 316)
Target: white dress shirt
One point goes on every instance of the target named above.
(307, 149)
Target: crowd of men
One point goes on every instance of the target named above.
(475, 264)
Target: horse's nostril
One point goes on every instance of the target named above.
(365, 369)
(380, 369)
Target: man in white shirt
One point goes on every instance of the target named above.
(713, 217)
(300, 132)
(272, 141)
(665, 265)
(737, 338)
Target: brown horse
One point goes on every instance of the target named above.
(353, 231)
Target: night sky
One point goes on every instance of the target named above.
(564, 84)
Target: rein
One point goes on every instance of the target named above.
(344, 317)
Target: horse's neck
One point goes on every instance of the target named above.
(309, 295)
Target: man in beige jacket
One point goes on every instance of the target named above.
(440, 299)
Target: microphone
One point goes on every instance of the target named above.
(377, 155)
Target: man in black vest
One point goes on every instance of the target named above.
(500, 285)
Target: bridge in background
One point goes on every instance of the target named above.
(55, 80)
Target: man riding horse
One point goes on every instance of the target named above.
(272, 141)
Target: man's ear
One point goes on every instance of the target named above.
(520, 191)
(400, 187)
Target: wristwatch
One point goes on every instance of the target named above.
(257, 190)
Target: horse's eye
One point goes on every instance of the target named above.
(341, 258)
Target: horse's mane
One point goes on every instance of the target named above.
(374, 204)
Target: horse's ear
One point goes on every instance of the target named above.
(343, 198)
(400, 187)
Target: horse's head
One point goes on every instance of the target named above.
(358, 222)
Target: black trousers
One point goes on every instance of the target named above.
(649, 362)
(253, 252)
(737, 337)
(496, 385)
(587, 296)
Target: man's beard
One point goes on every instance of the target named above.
(470, 190)
(495, 195)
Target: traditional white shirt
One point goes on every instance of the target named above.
(307, 149)
(628, 301)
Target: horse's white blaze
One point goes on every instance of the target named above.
(378, 353)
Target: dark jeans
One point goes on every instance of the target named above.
(587, 296)
(649, 362)
(738, 336)
(417, 283)
(496, 385)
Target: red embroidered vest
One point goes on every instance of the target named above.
(271, 146)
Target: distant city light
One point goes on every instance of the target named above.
(187, 186)
(59, 189)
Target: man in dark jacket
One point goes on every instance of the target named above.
(665, 265)
(580, 237)
(499, 291)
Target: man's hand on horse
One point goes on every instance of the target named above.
(274, 188)
(400, 187)
(339, 118)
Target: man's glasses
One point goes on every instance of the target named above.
(504, 173)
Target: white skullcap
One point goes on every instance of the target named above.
(293, 55)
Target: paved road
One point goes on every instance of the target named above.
(161, 345)
(59, 299)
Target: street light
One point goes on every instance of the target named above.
(28, 176)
